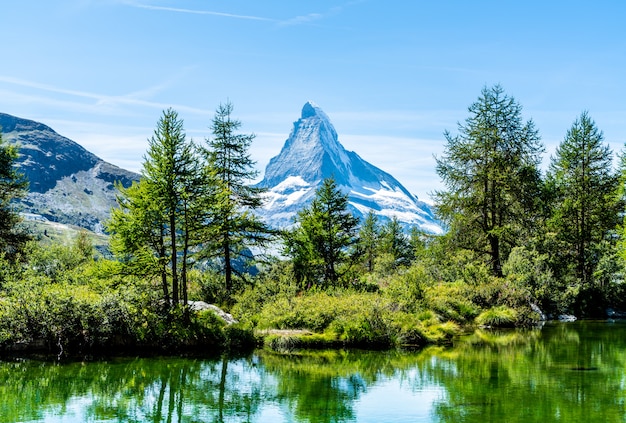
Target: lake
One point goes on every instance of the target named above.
(564, 372)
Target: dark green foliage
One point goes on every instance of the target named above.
(367, 245)
(491, 173)
(13, 186)
(514, 242)
(163, 219)
(234, 228)
(585, 206)
(319, 244)
(395, 244)
(58, 302)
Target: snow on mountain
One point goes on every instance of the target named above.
(312, 153)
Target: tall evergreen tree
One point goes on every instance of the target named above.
(164, 217)
(491, 173)
(236, 227)
(138, 236)
(319, 244)
(586, 207)
(395, 242)
(367, 245)
(13, 185)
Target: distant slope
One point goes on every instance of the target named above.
(312, 153)
(67, 183)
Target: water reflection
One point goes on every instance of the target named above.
(562, 373)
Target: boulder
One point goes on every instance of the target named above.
(201, 305)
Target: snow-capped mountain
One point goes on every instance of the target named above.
(312, 153)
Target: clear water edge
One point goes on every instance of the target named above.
(572, 372)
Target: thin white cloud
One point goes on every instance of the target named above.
(297, 20)
(304, 19)
(313, 17)
(197, 12)
(106, 103)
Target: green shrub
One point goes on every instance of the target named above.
(240, 338)
(407, 287)
(441, 333)
(314, 311)
(451, 301)
(268, 288)
(367, 328)
(408, 329)
(208, 328)
(287, 343)
(499, 316)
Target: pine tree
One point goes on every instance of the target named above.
(491, 173)
(165, 216)
(586, 207)
(13, 186)
(236, 227)
(319, 244)
(137, 229)
(396, 244)
(367, 245)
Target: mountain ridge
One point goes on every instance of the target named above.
(70, 185)
(311, 153)
(67, 183)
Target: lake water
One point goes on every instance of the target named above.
(573, 372)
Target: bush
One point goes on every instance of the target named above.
(368, 328)
(452, 301)
(290, 342)
(408, 330)
(353, 319)
(499, 316)
(312, 311)
(407, 288)
(268, 287)
(240, 338)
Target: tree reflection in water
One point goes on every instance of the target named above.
(572, 372)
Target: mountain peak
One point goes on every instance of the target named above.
(312, 153)
(312, 150)
(310, 109)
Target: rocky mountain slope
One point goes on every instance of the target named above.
(67, 183)
(71, 185)
(312, 153)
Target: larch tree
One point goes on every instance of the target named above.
(137, 231)
(164, 217)
(586, 209)
(395, 244)
(490, 170)
(235, 228)
(367, 245)
(319, 244)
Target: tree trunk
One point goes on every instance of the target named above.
(175, 296)
(183, 278)
(496, 265)
(228, 270)
(166, 293)
(222, 392)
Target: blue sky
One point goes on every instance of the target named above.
(392, 75)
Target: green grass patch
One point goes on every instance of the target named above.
(500, 316)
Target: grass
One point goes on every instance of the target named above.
(500, 316)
